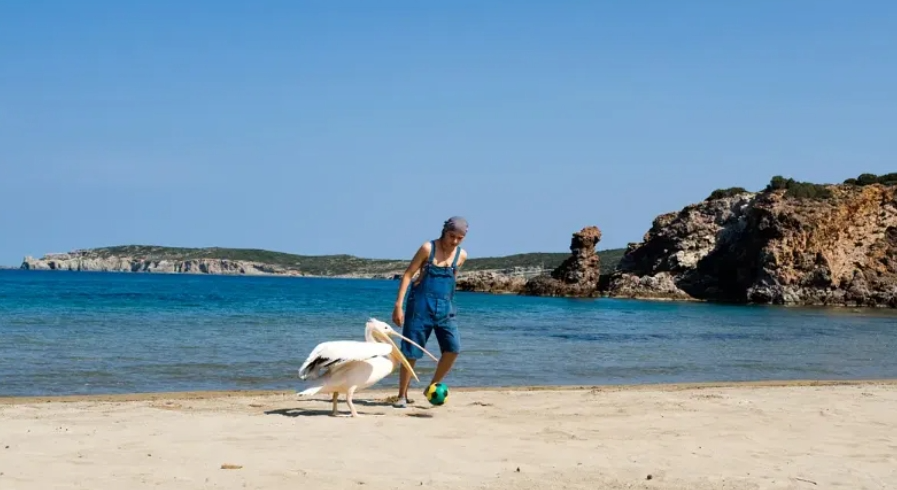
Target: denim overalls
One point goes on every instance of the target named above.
(431, 305)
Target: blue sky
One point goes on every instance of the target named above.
(240, 124)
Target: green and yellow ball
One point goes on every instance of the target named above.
(437, 393)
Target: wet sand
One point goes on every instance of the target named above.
(797, 435)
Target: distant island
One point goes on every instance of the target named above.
(239, 261)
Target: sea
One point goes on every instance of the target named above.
(72, 333)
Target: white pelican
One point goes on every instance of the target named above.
(344, 366)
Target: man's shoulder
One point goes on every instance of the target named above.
(424, 249)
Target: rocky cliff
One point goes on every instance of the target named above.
(85, 262)
(793, 244)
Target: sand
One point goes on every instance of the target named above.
(740, 436)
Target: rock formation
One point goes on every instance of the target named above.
(663, 263)
(578, 275)
(836, 247)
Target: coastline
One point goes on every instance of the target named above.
(699, 436)
(195, 274)
(382, 390)
(259, 262)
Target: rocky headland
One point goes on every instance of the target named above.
(213, 260)
(84, 261)
(793, 243)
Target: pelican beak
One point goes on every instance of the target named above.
(398, 353)
(406, 339)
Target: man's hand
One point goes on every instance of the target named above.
(398, 316)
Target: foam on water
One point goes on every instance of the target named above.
(79, 333)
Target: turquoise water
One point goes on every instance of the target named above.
(78, 333)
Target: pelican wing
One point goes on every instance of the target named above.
(327, 356)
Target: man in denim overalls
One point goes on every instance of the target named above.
(431, 304)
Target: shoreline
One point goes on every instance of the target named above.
(385, 390)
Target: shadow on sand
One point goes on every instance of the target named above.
(411, 411)
(314, 412)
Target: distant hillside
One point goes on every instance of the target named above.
(240, 260)
(609, 259)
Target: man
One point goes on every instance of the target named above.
(431, 304)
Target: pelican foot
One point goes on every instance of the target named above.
(349, 394)
(334, 399)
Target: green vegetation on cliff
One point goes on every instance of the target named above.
(799, 190)
(722, 193)
(329, 265)
(806, 190)
(869, 179)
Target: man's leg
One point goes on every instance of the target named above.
(419, 333)
(405, 379)
(446, 361)
(449, 346)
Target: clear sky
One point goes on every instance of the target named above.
(358, 126)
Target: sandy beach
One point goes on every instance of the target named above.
(739, 436)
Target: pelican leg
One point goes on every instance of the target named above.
(349, 394)
(335, 398)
